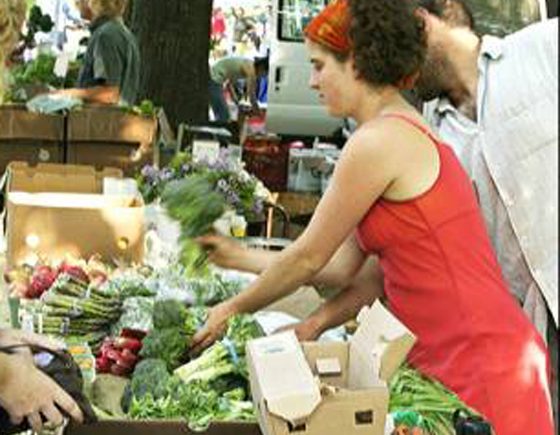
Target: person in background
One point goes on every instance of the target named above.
(63, 13)
(400, 193)
(225, 74)
(111, 66)
(25, 391)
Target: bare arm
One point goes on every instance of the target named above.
(365, 288)
(340, 270)
(251, 77)
(96, 94)
(355, 186)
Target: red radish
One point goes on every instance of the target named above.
(74, 271)
(131, 344)
(102, 365)
(127, 359)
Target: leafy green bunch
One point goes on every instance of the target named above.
(241, 191)
(174, 327)
(225, 357)
(196, 206)
(412, 391)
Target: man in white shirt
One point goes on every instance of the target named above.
(495, 102)
(63, 13)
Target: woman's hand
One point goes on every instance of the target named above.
(214, 329)
(26, 392)
(222, 251)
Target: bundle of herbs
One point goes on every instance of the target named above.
(412, 391)
(196, 206)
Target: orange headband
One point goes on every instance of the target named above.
(331, 27)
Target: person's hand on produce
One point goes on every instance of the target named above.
(214, 328)
(28, 393)
(222, 251)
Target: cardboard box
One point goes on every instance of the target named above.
(108, 136)
(30, 137)
(352, 397)
(45, 220)
(119, 427)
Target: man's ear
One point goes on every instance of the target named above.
(425, 16)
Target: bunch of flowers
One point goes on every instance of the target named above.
(243, 192)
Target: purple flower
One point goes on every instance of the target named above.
(258, 207)
(166, 174)
(149, 172)
(232, 198)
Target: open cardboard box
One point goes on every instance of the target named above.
(328, 388)
(59, 210)
(33, 137)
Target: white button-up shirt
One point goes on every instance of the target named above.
(511, 153)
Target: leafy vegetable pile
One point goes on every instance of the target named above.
(212, 387)
(412, 391)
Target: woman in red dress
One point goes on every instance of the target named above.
(399, 193)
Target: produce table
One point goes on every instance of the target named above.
(161, 428)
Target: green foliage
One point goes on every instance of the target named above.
(225, 357)
(167, 344)
(145, 108)
(412, 391)
(169, 314)
(196, 206)
(241, 191)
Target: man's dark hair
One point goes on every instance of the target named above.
(455, 12)
(388, 40)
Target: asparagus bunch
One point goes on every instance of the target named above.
(73, 308)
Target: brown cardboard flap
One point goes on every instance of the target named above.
(378, 347)
(111, 124)
(58, 178)
(342, 413)
(315, 351)
(16, 122)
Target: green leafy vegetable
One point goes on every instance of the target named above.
(412, 391)
(196, 206)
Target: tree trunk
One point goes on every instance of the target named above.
(173, 36)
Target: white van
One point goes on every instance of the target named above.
(293, 107)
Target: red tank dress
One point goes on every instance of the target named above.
(442, 280)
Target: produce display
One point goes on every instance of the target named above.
(432, 402)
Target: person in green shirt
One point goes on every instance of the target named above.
(111, 68)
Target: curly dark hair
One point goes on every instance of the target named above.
(454, 12)
(388, 40)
